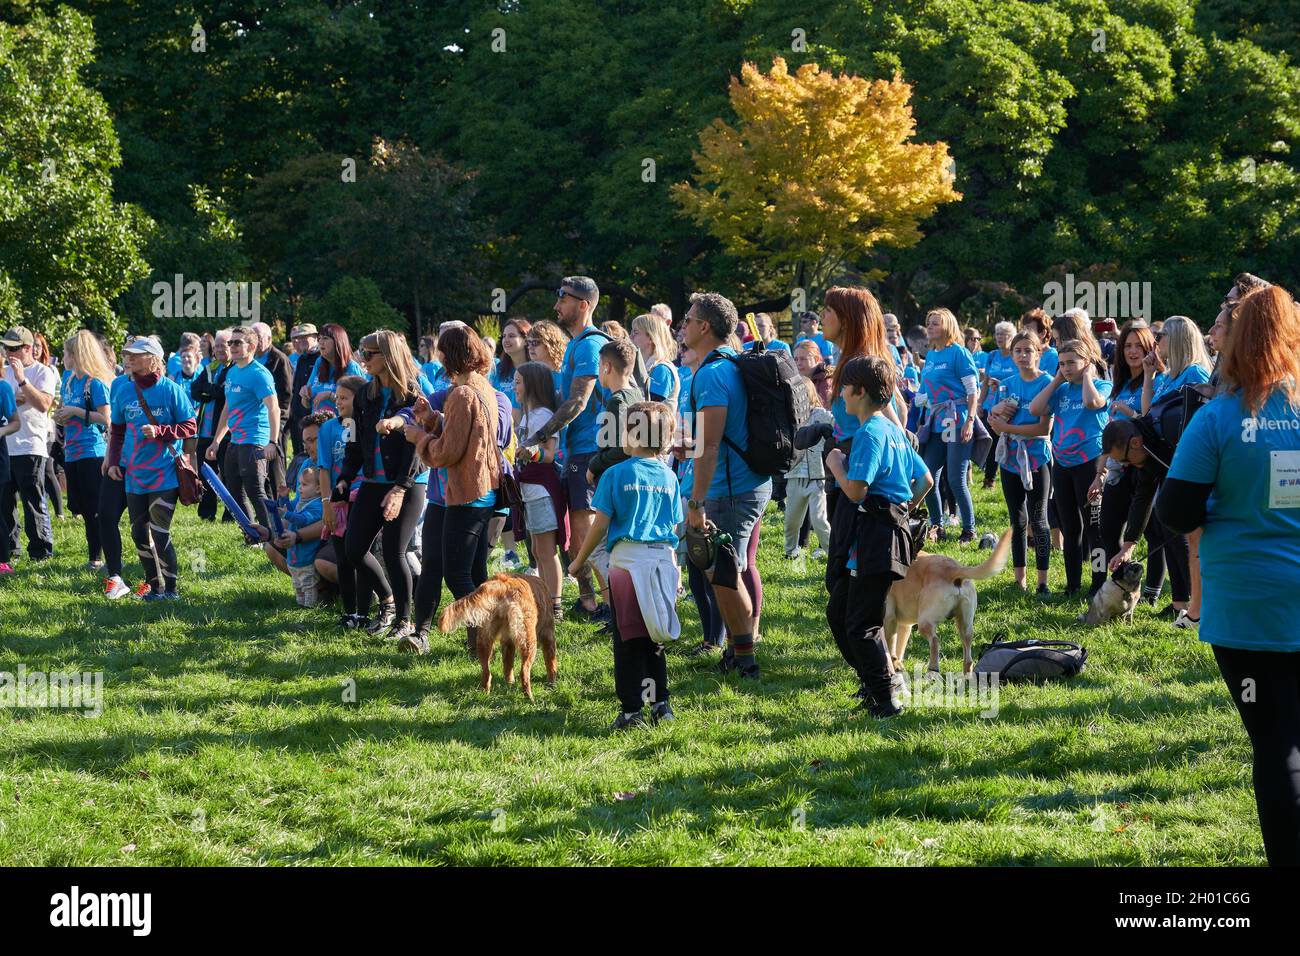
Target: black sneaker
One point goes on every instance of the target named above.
(399, 632)
(387, 615)
(1167, 613)
(1043, 591)
(416, 642)
(967, 537)
(623, 722)
(890, 708)
(861, 693)
(750, 671)
(727, 663)
(602, 614)
(702, 648)
(661, 713)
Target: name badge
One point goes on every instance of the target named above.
(1284, 479)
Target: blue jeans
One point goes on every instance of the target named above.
(952, 457)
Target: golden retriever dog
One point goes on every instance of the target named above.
(514, 609)
(935, 589)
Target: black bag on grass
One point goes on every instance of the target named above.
(1032, 659)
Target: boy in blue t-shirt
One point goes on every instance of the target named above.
(883, 476)
(635, 513)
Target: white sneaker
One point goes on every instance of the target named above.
(819, 554)
(510, 561)
(1183, 622)
(952, 521)
(791, 555)
(115, 588)
(531, 573)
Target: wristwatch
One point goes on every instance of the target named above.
(693, 504)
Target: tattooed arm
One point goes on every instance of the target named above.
(570, 408)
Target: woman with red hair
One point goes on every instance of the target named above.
(1235, 475)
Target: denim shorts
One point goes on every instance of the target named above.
(738, 516)
(539, 516)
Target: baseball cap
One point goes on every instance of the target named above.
(144, 345)
(17, 337)
(305, 329)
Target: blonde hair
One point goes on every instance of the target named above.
(86, 356)
(402, 373)
(948, 322)
(1186, 345)
(814, 400)
(553, 341)
(660, 335)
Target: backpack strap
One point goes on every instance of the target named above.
(148, 413)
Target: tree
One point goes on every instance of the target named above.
(818, 169)
(66, 249)
(356, 304)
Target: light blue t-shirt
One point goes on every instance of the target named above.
(147, 465)
(1192, 375)
(436, 374)
(8, 404)
(1000, 367)
(981, 359)
(81, 439)
(1076, 430)
(643, 502)
(776, 345)
(663, 381)
(1250, 547)
(173, 365)
(1037, 448)
(1130, 395)
(247, 418)
(884, 458)
(316, 386)
(582, 358)
(1050, 360)
(685, 469)
(824, 345)
(504, 381)
(941, 379)
(330, 448)
(304, 513)
(717, 384)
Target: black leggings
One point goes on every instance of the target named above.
(364, 524)
(112, 505)
(856, 615)
(52, 490)
(706, 602)
(151, 522)
(1080, 529)
(991, 467)
(355, 589)
(84, 479)
(1270, 683)
(1028, 511)
(640, 672)
(454, 546)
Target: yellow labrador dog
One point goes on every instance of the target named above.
(935, 589)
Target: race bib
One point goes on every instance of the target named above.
(1284, 479)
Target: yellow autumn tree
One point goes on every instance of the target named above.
(819, 169)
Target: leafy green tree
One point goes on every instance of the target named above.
(66, 248)
(356, 304)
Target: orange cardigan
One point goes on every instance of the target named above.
(467, 444)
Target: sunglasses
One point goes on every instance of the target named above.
(231, 343)
(561, 293)
(368, 354)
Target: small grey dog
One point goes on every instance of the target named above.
(1118, 596)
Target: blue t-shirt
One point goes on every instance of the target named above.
(941, 379)
(776, 345)
(304, 513)
(330, 448)
(1050, 360)
(8, 405)
(183, 380)
(643, 502)
(825, 346)
(846, 425)
(884, 458)
(662, 380)
(246, 417)
(1015, 386)
(981, 359)
(174, 365)
(80, 438)
(147, 465)
(1000, 367)
(1250, 546)
(685, 469)
(503, 382)
(582, 358)
(318, 387)
(293, 360)
(717, 384)
(436, 374)
(1076, 430)
(1130, 395)
(1192, 375)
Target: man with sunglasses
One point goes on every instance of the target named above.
(34, 386)
(252, 417)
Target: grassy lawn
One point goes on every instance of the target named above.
(225, 740)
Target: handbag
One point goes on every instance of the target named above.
(191, 489)
(508, 487)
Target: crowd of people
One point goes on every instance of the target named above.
(622, 458)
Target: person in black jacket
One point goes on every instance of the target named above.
(304, 343)
(277, 363)
(392, 495)
(1134, 443)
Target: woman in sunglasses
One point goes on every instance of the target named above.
(394, 484)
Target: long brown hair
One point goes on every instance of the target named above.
(1260, 354)
(862, 326)
(342, 352)
(1145, 339)
(505, 364)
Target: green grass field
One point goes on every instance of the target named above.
(225, 740)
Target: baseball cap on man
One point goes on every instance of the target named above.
(305, 329)
(144, 345)
(17, 337)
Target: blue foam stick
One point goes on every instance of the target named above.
(241, 519)
(273, 512)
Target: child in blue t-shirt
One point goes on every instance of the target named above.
(883, 475)
(635, 512)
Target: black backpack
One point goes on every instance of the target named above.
(1032, 659)
(1170, 414)
(778, 407)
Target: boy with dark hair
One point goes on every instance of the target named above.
(637, 510)
(882, 477)
(617, 365)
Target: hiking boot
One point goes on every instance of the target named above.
(727, 663)
(966, 537)
(861, 693)
(882, 711)
(416, 642)
(399, 632)
(387, 615)
(661, 713)
(623, 721)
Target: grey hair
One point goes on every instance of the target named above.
(718, 311)
(663, 310)
(585, 286)
(1007, 327)
(1080, 314)
(188, 339)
